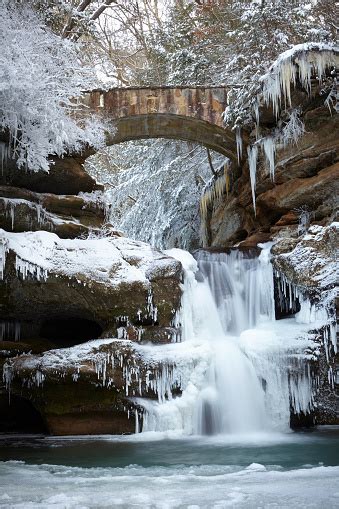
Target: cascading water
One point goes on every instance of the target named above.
(233, 400)
(251, 368)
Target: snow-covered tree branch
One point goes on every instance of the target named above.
(39, 75)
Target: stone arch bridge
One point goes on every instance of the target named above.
(183, 113)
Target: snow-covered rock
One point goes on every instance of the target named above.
(114, 281)
(311, 263)
(96, 387)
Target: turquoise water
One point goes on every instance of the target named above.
(166, 472)
(288, 451)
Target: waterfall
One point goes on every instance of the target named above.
(252, 368)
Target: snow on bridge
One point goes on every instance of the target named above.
(184, 113)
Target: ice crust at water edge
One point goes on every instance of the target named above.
(50, 486)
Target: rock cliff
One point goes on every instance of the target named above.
(66, 278)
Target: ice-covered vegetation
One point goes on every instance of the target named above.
(40, 75)
(154, 187)
(213, 41)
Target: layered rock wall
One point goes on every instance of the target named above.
(67, 277)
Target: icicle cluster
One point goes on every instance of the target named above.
(300, 386)
(217, 186)
(141, 376)
(290, 299)
(151, 308)
(23, 267)
(300, 64)
(125, 333)
(12, 203)
(288, 293)
(10, 331)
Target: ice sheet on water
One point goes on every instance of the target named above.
(219, 486)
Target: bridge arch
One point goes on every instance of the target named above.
(182, 113)
(161, 125)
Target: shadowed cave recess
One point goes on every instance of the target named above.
(18, 415)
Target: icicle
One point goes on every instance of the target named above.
(151, 308)
(333, 336)
(238, 139)
(252, 162)
(5, 153)
(257, 117)
(10, 209)
(269, 150)
(39, 378)
(137, 427)
(10, 331)
(3, 253)
(7, 376)
(25, 268)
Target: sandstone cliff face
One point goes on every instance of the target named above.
(306, 178)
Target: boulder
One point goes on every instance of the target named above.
(90, 388)
(309, 261)
(111, 282)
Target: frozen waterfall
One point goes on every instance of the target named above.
(251, 369)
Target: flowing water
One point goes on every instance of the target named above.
(233, 400)
(252, 367)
